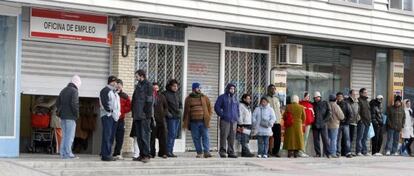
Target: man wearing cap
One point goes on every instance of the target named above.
(142, 112)
(110, 112)
(363, 124)
(227, 108)
(395, 123)
(67, 105)
(319, 127)
(197, 116)
(377, 123)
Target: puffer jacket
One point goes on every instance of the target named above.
(355, 118)
(227, 106)
(322, 114)
(376, 112)
(364, 110)
(67, 103)
(245, 118)
(396, 118)
(264, 115)
(337, 115)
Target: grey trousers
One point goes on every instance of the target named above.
(227, 136)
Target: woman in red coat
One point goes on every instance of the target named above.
(309, 116)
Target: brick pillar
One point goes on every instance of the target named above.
(124, 68)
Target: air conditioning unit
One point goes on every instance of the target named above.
(290, 54)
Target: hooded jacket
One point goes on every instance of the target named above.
(376, 112)
(227, 106)
(67, 103)
(267, 115)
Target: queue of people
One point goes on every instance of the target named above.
(157, 115)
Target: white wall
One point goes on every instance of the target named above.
(312, 18)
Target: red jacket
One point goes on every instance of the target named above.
(125, 105)
(308, 112)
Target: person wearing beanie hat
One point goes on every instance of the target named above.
(395, 122)
(110, 112)
(333, 125)
(320, 126)
(197, 116)
(77, 81)
(68, 110)
(196, 85)
(377, 124)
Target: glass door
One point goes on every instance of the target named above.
(8, 36)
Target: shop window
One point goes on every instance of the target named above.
(403, 5)
(8, 35)
(381, 76)
(325, 68)
(248, 71)
(408, 75)
(238, 40)
(160, 32)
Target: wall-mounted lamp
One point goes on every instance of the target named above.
(124, 34)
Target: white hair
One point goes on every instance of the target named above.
(295, 99)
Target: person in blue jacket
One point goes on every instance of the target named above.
(227, 108)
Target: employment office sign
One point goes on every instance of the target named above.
(67, 25)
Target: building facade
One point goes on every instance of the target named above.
(344, 44)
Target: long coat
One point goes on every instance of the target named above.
(294, 134)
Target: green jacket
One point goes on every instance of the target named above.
(396, 118)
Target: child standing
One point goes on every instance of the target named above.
(263, 119)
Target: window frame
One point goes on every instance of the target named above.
(401, 10)
(353, 4)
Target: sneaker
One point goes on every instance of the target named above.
(108, 159)
(388, 153)
(359, 154)
(223, 155)
(139, 158)
(334, 156)
(259, 156)
(119, 157)
(199, 155)
(248, 155)
(207, 155)
(367, 154)
(396, 154)
(164, 156)
(349, 155)
(264, 156)
(377, 154)
(303, 154)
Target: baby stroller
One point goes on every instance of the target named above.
(42, 135)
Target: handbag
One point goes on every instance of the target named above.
(264, 122)
(288, 118)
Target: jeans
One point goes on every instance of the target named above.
(199, 133)
(352, 136)
(343, 142)
(393, 137)
(108, 133)
(227, 136)
(376, 141)
(119, 136)
(406, 147)
(262, 145)
(244, 142)
(333, 137)
(143, 134)
(136, 149)
(317, 134)
(362, 137)
(277, 138)
(68, 129)
(173, 125)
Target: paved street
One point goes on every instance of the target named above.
(46, 165)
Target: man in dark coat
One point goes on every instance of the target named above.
(142, 110)
(319, 127)
(174, 111)
(363, 124)
(68, 110)
(377, 123)
(344, 142)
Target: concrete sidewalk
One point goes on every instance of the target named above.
(186, 164)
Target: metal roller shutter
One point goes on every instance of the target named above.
(203, 67)
(362, 75)
(48, 67)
